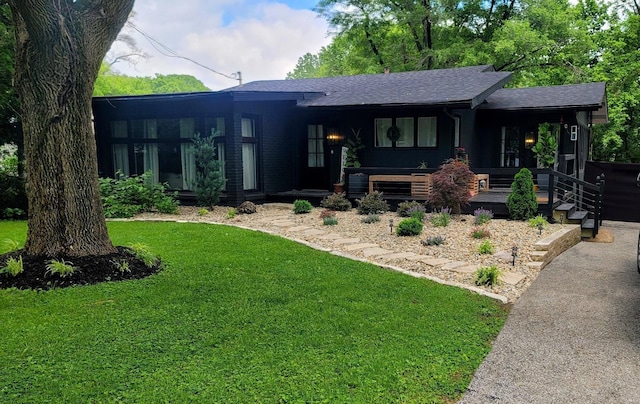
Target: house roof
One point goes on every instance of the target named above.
(581, 96)
(460, 86)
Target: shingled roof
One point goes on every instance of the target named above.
(467, 86)
(590, 96)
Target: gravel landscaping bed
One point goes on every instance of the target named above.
(459, 245)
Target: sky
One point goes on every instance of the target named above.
(262, 39)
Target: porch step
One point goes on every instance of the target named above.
(577, 217)
(587, 228)
(562, 212)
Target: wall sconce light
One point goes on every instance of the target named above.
(529, 140)
(334, 138)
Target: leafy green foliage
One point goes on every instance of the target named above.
(372, 203)
(143, 252)
(480, 232)
(409, 227)
(486, 248)
(127, 196)
(60, 267)
(441, 219)
(13, 267)
(203, 212)
(450, 186)
(231, 213)
(488, 276)
(406, 208)
(10, 245)
(538, 220)
(337, 202)
(546, 146)
(354, 145)
(522, 201)
(13, 198)
(209, 181)
(301, 206)
(122, 265)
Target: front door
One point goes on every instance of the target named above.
(315, 173)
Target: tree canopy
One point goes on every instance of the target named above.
(543, 42)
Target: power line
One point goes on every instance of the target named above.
(168, 52)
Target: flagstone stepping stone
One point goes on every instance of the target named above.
(275, 219)
(434, 261)
(314, 232)
(298, 228)
(359, 246)
(454, 264)
(466, 269)
(346, 241)
(397, 256)
(511, 278)
(284, 223)
(504, 256)
(369, 252)
(331, 236)
(419, 257)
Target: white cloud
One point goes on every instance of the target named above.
(261, 40)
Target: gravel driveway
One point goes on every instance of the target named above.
(574, 335)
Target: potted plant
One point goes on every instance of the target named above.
(545, 151)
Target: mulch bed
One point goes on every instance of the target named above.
(89, 270)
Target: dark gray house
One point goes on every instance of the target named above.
(282, 135)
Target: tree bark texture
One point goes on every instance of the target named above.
(59, 47)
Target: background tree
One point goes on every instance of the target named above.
(59, 49)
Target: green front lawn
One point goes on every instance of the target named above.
(239, 316)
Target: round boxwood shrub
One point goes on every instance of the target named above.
(409, 227)
(301, 206)
(337, 202)
(522, 202)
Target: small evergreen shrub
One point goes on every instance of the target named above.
(535, 221)
(372, 203)
(433, 241)
(409, 227)
(486, 247)
(247, 208)
(406, 208)
(522, 201)
(450, 186)
(441, 219)
(488, 276)
(480, 232)
(337, 202)
(209, 181)
(482, 216)
(301, 206)
(370, 219)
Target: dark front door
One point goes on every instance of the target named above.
(315, 170)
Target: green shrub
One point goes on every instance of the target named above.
(13, 267)
(142, 252)
(433, 241)
(480, 232)
(127, 196)
(522, 202)
(209, 181)
(441, 219)
(370, 219)
(409, 227)
(486, 247)
(405, 209)
(450, 186)
(482, 216)
(231, 213)
(301, 206)
(337, 202)
(60, 267)
(535, 221)
(203, 212)
(488, 276)
(372, 203)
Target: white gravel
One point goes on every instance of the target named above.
(459, 245)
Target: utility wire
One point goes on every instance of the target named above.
(166, 51)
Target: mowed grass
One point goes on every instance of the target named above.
(239, 316)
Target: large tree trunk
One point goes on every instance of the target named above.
(59, 47)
